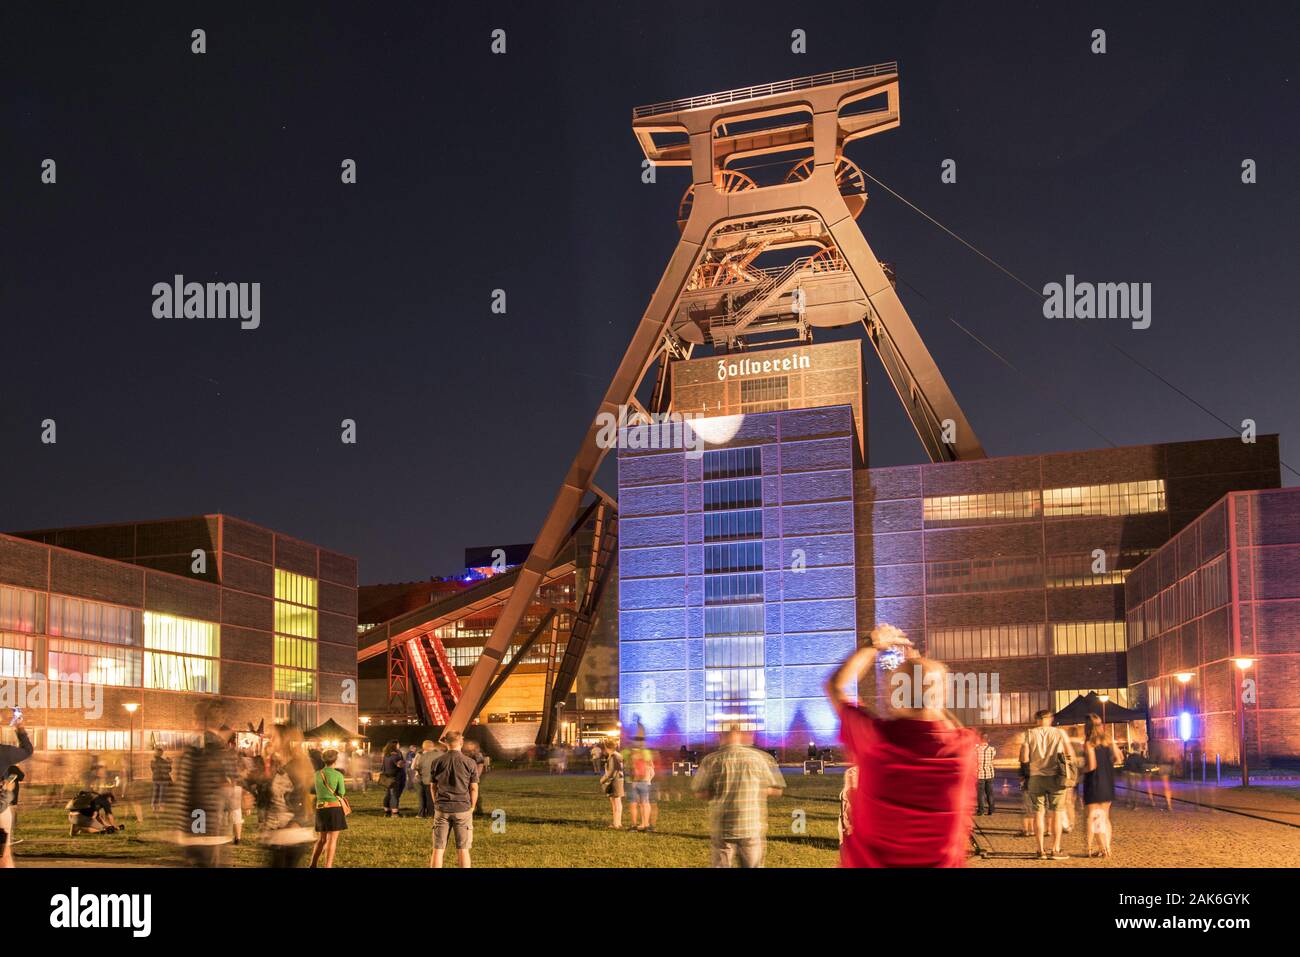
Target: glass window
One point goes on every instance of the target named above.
(734, 493)
(991, 574)
(733, 463)
(22, 610)
(993, 641)
(18, 656)
(1087, 637)
(981, 507)
(738, 557)
(185, 636)
(79, 661)
(721, 526)
(725, 589)
(1121, 498)
(295, 588)
(180, 673)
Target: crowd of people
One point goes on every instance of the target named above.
(916, 780)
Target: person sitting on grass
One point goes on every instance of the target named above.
(92, 813)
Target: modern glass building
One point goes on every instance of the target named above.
(161, 615)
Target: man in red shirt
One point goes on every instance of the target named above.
(916, 767)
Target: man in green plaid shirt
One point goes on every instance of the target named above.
(738, 779)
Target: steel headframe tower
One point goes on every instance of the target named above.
(716, 288)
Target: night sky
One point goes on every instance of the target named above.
(520, 172)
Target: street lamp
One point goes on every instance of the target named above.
(1184, 719)
(130, 707)
(1243, 665)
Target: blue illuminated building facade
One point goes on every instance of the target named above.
(736, 579)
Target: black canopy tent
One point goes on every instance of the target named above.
(331, 730)
(1077, 711)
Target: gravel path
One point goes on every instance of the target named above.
(1145, 837)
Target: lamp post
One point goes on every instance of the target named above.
(130, 707)
(1103, 698)
(1243, 665)
(1184, 719)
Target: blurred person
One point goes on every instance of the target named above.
(199, 797)
(643, 775)
(423, 765)
(287, 831)
(234, 793)
(1100, 755)
(984, 754)
(1050, 756)
(847, 793)
(611, 782)
(408, 755)
(331, 809)
(11, 755)
(359, 766)
(737, 779)
(916, 766)
(392, 778)
(92, 813)
(160, 770)
(455, 778)
(475, 753)
(92, 774)
(597, 758)
(1026, 803)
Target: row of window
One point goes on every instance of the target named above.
(733, 493)
(540, 654)
(22, 610)
(767, 389)
(733, 463)
(724, 526)
(729, 589)
(1198, 594)
(77, 661)
(735, 557)
(734, 620)
(1116, 499)
(295, 588)
(1027, 640)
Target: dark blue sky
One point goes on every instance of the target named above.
(478, 172)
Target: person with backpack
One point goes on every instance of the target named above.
(332, 809)
(1052, 775)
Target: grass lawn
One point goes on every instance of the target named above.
(543, 820)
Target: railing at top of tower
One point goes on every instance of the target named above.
(765, 89)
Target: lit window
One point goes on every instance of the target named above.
(982, 507)
(1087, 637)
(1122, 498)
(994, 641)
